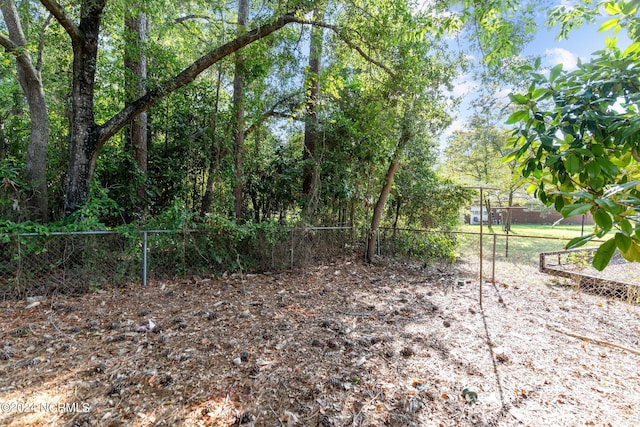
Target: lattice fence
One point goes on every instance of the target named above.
(620, 279)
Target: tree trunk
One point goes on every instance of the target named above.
(135, 64)
(507, 220)
(85, 133)
(4, 141)
(86, 137)
(311, 125)
(378, 210)
(487, 204)
(397, 216)
(31, 83)
(238, 118)
(215, 155)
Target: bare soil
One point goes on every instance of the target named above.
(342, 344)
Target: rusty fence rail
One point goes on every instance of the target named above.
(619, 280)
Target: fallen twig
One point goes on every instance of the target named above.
(593, 340)
(355, 417)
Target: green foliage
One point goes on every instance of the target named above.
(579, 142)
(500, 29)
(370, 80)
(424, 199)
(427, 246)
(176, 217)
(474, 156)
(10, 185)
(217, 245)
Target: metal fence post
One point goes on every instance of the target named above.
(291, 251)
(144, 258)
(493, 261)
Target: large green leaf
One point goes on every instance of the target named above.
(576, 242)
(603, 219)
(607, 25)
(626, 227)
(518, 116)
(518, 98)
(607, 167)
(632, 254)
(572, 164)
(575, 209)
(609, 205)
(623, 242)
(617, 188)
(603, 254)
(555, 72)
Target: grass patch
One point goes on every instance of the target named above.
(524, 243)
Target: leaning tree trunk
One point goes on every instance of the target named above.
(378, 210)
(135, 63)
(31, 83)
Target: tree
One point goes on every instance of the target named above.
(474, 157)
(182, 160)
(216, 153)
(86, 137)
(415, 107)
(135, 64)
(406, 135)
(238, 115)
(579, 139)
(312, 122)
(420, 197)
(30, 80)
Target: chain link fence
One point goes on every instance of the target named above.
(74, 263)
(420, 244)
(65, 262)
(511, 252)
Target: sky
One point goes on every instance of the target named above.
(581, 43)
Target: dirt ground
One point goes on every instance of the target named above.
(343, 344)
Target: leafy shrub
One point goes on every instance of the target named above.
(427, 246)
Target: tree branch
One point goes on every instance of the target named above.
(16, 48)
(9, 46)
(267, 115)
(58, 12)
(41, 42)
(343, 37)
(189, 74)
(189, 17)
(272, 112)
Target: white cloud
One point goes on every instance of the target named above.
(502, 97)
(562, 56)
(458, 124)
(464, 85)
(568, 3)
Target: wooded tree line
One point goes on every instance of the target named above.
(121, 109)
(318, 111)
(257, 109)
